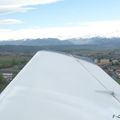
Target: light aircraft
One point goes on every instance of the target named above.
(56, 86)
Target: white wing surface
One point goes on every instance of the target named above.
(54, 86)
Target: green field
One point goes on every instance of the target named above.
(11, 63)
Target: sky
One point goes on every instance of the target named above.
(63, 19)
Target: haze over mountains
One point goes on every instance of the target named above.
(99, 41)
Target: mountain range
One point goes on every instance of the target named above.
(99, 41)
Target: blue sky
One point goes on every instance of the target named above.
(59, 18)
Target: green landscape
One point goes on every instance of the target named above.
(10, 65)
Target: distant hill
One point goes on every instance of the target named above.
(98, 41)
(36, 42)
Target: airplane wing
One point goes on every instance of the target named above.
(55, 86)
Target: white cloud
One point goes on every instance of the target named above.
(10, 21)
(25, 2)
(13, 9)
(8, 6)
(87, 29)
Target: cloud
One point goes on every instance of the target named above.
(9, 6)
(83, 30)
(10, 22)
(25, 2)
(14, 9)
